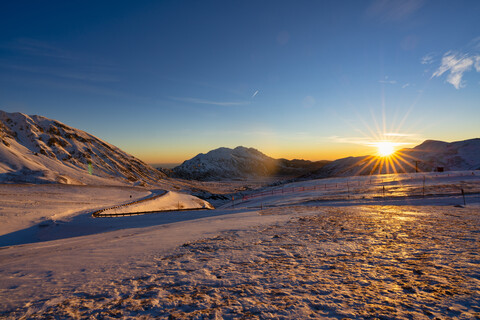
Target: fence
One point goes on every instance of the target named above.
(98, 213)
(336, 186)
(385, 188)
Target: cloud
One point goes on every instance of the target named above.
(393, 10)
(210, 102)
(406, 85)
(254, 94)
(399, 139)
(38, 48)
(428, 58)
(386, 81)
(88, 74)
(404, 135)
(456, 64)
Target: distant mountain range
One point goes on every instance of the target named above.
(429, 156)
(245, 163)
(35, 149)
(241, 163)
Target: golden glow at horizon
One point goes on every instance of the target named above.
(385, 148)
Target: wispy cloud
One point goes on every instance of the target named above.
(393, 10)
(403, 135)
(67, 65)
(211, 102)
(387, 81)
(399, 139)
(255, 94)
(428, 58)
(456, 64)
(406, 85)
(88, 74)
(38, 48)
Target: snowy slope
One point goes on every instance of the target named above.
(428, 156)
(36, 149)
(241, 163)
(289, 260)
(459, 155)
(168, 201)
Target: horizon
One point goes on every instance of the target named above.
(165, 81)
(171, 165)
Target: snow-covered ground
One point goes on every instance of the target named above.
(291, 255)
(401, 189)
(166, 201)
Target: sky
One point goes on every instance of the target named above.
(166, 80)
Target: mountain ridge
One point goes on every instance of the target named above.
(42, 150)
(428, 156)
(240, 163)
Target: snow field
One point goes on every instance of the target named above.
(23, 206)
(323, 263)
(296, 258)
(169, 200)
(395, 188)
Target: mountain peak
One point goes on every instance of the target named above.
(241, 163)
(38, 149)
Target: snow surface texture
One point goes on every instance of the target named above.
(26, 206)
(35, 149)
(241, 163)
(294, 259)
(427, 157)
(46, 212)
(356, 263)
(411, 188)
(166, 201)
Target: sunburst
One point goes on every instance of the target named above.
(385, 148)
(388, 153)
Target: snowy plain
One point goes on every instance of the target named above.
(335, 252)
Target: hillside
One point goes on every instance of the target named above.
(241, 163)
(35, 149)
(429, 156)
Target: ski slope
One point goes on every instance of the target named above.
(315, 253)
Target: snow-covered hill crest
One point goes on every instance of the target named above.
(40, 150)
(240, 163)
(459, 155)
(429, 156)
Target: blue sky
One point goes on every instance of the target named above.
(165, 80)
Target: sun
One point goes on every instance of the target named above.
(385, 148)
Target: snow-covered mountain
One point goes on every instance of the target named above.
(36, 149)
(241, 163)
(429, 156)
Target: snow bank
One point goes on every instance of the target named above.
(167, 201)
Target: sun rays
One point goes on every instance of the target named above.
(389, 145)
(385, 148)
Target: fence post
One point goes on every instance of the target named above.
(423, 192)
(463, 194)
